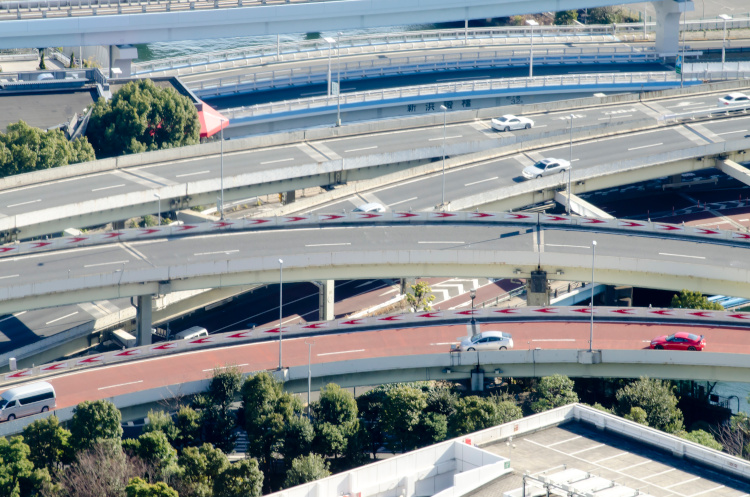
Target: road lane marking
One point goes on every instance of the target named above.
(743, 220)
(122, 384)
(446, 138)
(440, 242)
(106, 188)
(191, 174)
(227, 252)
(342, 352)
(682, 255)
(645, 146)
(360, 149)
(443, 343)
(730, 132)
(685, 104)
(275, 161)
(392, 290)
(25, 203)
(65, 316)
(12, 316)
(609, 118)
(11, 276)
(106, 263)
(225, 367)
(481, 181)
(402, 201)
(365, 284)
(569, 246)
(328, 244)
(554, 340)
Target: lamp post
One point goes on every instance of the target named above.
(724, 39)
(338, 80)
(532, 23)
(158, 213)
(473, 295)
(309, 373)
(570, 171)
(591, 330)
(221, 137)
(281, 302)
(442, 198)
(330, 42)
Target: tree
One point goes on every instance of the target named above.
(694, 300)
(420, 297)
(305, 469)
(140, 488)
(94, 421)
(702, 437)
(335, 419)
(155, 450)
(370, 405)
(14, 465)
(432, 428)
(565, 17)
(554, 391)
(218, 427)
(142, 117)
(224, 386)
(200, 466)
(477, 413)
(162, 421)
(24, 148)
(400, 415)
(42, 64)
(656, 398)
(187, 423)
(734, 435)
(297, 438)
(637, 415)
(241, 479)
(48, 443)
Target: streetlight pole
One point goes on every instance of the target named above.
(724, 39)
(158, 214)
(309, 373)
(222, 167)
(330, 41)
(570, 171)
(473, 295)
(591, 330)
(338, 80)
(532, 23)
(442, 198)
(281, 302)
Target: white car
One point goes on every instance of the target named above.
(371, 207)
(509, 121)
(734, 99)
(487, 340)
(545, 167)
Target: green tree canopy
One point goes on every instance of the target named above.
(187, 423)
(48, 442)
(24, 149)
(400, 415)
(201, 466)
(566, 17)
(93, 421)
(637, 415)
(162, 421)
(224, 386)
(142, 117)
(335, 420)
(298, 438)
(241, 479)
(694, 300)
(554, 391)
(656, 398)
(420, 297)
(477, 413)
(14, 465)
(305, 469)
(702, 437)
(154, 448)
(141, 488)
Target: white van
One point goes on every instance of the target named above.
(26, 400)
(371, 207)
(190, 333)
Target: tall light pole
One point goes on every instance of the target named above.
(724, 39)
(570, 171)
(445, 112)
(309, 373)
(532, 23)
(338, 80)
(281, 302)
(330, 42)
(473, 295)
(591, 331)
(158, 213)
(221, 137)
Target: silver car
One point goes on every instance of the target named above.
(545, 167)
(509, 121)
(487, 340)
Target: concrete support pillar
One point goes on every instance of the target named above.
(736, 171)
(477, 379)
(325, 309)
(118, 225)
(406, 284)
(537, 293)
(288, 197)
(143, 319)
(668, 24)
(580, 206)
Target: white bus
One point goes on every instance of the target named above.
(26, 400)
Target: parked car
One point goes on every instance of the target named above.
(371, 207)
(679, 341)
(509, 121)
(487, 340)
(735, 98)
(545, 167)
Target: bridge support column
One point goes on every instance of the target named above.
(325, 309)
(288, 197)
(118, 225)
(736, 171)
(477, 379)
(668, 24)
(143, 319)
(538, 289)
(580, 206)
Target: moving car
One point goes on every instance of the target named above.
(26, 400)
(487, 340)
(735, 98)
(678, 341)
(371, 207)
(545, 167)
(509, 121)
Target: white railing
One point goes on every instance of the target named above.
(453, 88)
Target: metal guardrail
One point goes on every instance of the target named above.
(705, 112)
(423, 63)
(458, 87)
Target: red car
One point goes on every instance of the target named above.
(679, 341)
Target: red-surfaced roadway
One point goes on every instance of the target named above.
(109, 381)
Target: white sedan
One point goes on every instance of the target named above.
(508, 122)
(487, 340)
(545, 167)
(735, 98)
